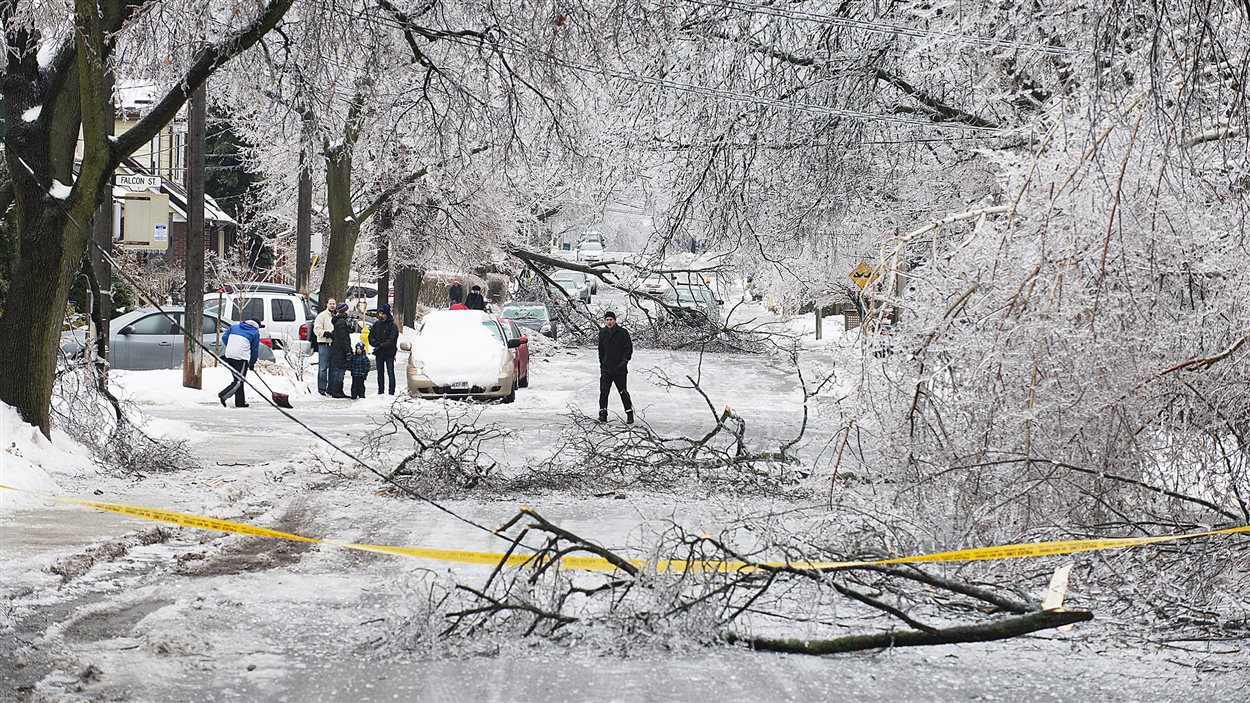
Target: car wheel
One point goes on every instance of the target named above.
(525, 381)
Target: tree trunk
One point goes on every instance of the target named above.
(343, 226)
(50, 250)
(999, 629)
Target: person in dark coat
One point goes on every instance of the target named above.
(340, 350)
(615, 350)
(360, 371)
(384, 335)
(456, 292)
(475, 301)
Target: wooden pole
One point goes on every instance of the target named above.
(193, 325)
(819, 322)
(303, 228)
(102, 236)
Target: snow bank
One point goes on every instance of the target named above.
(28, 460)
(455, 345)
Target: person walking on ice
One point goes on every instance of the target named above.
(615, 350)
(242, 344)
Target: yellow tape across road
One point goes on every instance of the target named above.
(1009, 551)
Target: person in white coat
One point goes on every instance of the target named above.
(323, 327)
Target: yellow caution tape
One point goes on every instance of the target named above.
(1008, 551)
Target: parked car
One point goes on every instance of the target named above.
(147, 339)
(694, 303)
(280, 309)
(520, 354)
(533, 316)
(360, 297)
(574, 283)
(590, 252)
(594, 236)
(461, 354)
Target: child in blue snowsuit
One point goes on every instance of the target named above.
(360, 369)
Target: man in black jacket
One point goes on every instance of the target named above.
(615, 351)
(384, 336)
(340, 350)
(475, 301)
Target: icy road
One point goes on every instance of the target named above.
(102, 607)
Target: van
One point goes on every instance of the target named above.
(280, 309)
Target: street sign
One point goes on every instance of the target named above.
(863, 275)
(137, 182)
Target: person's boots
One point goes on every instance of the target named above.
(603, 416)
(629, 416)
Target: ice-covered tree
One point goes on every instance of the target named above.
(53, 90)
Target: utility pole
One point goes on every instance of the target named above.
(386, 220)
(303, 227)
(102, 235)
(193, 325)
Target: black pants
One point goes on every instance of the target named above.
(605, 385)
(358, 386)
(236, 382)
(386, 367)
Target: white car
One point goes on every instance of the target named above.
(461, 354)
(279, 309)
(590, 252)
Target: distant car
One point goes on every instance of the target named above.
(574, 283)
(280, 309)
(147, 339)
(360, 297)
(694, 303)
(520, 354)
(594, 236)
(533, 316)
(590, 252)
(461, 354)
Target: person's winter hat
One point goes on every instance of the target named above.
(360, 348)
(476, 288)
(341, 308)
(253, 323)
(610, 314)
(385, 307)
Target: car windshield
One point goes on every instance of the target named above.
(569, 278)
(525, 312)
(691, 296)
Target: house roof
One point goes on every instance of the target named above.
(177, 196)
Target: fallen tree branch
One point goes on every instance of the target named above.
(1001, 629)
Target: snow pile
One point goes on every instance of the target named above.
(28, 459)
(455, 345)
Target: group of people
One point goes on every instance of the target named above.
(475, 301)
(337, 356)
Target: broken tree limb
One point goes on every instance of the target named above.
(1001, 629)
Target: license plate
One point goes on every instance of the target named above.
(460, 386)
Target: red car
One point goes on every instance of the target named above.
(520, 355)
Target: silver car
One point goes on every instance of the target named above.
(573, 283)
(147, 339)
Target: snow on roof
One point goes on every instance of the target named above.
(177, 196)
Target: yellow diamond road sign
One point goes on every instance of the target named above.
(863, 275)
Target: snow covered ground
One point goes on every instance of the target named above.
(103, 607)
